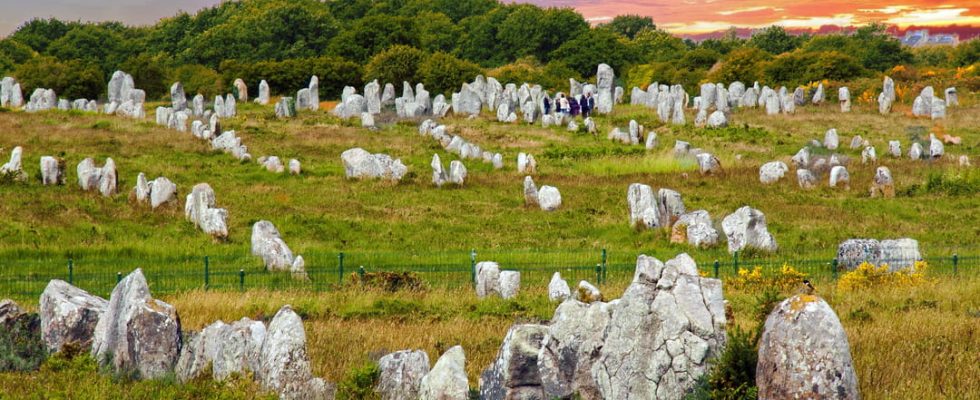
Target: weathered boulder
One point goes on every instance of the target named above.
(558, 289)
(895, 148)
(670, 204)
(662, 334)
(898, 254)
(13, 168)
(137, 334)
(804, 353)
(283, 363)
(642, 206)
(694, 228)
(717, 119)
(526, 164)
(869, 155)
(178, 99)
(936, 149)
(746, 228)
(358, 163)
(839, 177)
(52, 171)
(273, 164)
(401, 374)
(510, 284)
(161, 191)
(882, 184)
(267, 243)
(439, 176)
(263, 97)
(227, 349)
(530, 192)
(605, 81)
(487, 278)
(844, 97)
(915, 151)
(806, 179)
(457, 172)
(295, 168)
(708, 164)
(447, 380)
(68, 315)
(514, 374)
(575, 337)
(772, 172)
(199, 208)
(549, 198)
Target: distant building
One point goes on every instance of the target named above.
(921, 37)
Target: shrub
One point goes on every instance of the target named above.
(287, 76)
(359, 382)
(442, 72)
(787, 278)
(69, 79)
(552, 76)
(743, 64)
(198, 79)
(21, 347)
(395, 65)
(868, 275)
(389, 281)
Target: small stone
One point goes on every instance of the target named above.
(558, 289)
(549, 198)
(806, 179)
(772, 172)
(840, 177)
(882, 185)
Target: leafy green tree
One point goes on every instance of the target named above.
(743, 64)
(832, 65)
(198, 79)
(150, 74)
(940, 56)
(459, 9)
(395, 65)
(699, 59)
(967, 53)
(442, 72)
(878, 50)
(522, 33)
(12, 53)
(584, 53)
(70, 79)
(372, 34)
(92, 44)
(436, 31)
(479, 41)
(788, 69)
(657, 45)
(630, 25)
(39, 33)
(775, 40)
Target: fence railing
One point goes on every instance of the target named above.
(27, 277)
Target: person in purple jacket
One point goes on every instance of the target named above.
(573, 105)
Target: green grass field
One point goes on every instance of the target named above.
(413, 225)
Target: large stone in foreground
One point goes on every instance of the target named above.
(137, 334)
(575, 337)
(514, 374)
(227, 349)
(358, 163)
(662, 334)
(68, 315)
(804, 353)
(283, 363)
(401, 374)
(447, 380)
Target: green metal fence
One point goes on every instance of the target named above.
(26, 277)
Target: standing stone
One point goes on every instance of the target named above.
(869, 155)
(936, 149)
(314, 89)
(818, 96)
(510, 283)
(605, 98)
(708, 164)
(915, 151)
(51, 171)
(887, 96)
(642, 206)
(799, 96)
(401, 374)
(844, 97)
(882, 185)
(68, 315)
(263, 97)
(88, 174)
(951, 98)
(895, 148)
(197, 105)
(358, 163)
(558, 289)
(526, 164)
(137, 333)
(938, 110)
(268, 244)
(457, 172)
(178, 99)
(830, 139)
(142, 189)
(663, 334)
(717, 119)
(447, 380)
(283, 363)
(549, 198)
(514, 373)
(670, 205)
(530, 192)
(231, 106)
(856, 142)
(373, 97)
(694, 228)
(772, 172)
(487, 279)
(439, 176)
(746, 228)
(241, 90)
(107, 179)
(840, 177)
(804, 353)
(802, 158)
(162, 191)
(14, 168)
(806, 179)
(303, 99)
(571, 349)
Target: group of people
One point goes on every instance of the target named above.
(569, 105)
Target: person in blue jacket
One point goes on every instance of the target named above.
(588, 104)
(547, 105)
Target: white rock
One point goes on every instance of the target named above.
(68, 315)
(457, 172)
(549, 198)
(558, 289)
(510, 284)
(51, 171)
(746, 228)
(401, 374)
(772, 172)
(283, 363)
(840, 177)
(447, 380)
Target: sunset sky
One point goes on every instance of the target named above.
(680, 16)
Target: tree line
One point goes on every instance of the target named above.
(438, 42)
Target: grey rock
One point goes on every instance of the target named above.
(549, 198)
(844, 97)
(915, 151)
(447, 380)
(268, 244)
(530, 192)
(840, 177)
(51, 171)
(401, 374)
(283, 363)
(771, 172)
(439, 176)
(936, 149)
(263, 97)
(68, 315)
(804, 353)
(895, 148)
(708, 164)
(137, 333)
(746, 228)
(510, 284)
(487, 279)
(558, 289)
(571, 348)
(14, 168)
(358, 163)
(605, 97)
(696, 229)
(457, 172)
(178, 99)
(514, 374)
(806, 179)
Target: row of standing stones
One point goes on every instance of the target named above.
(656, 341)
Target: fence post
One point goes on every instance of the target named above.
(360, 272)
(598, 274)
(717, 265)
(473, 266)
(340, 268)
(71, 271)
(956, 262)
(207, 274)
(241, 280)
(735, 261)
(604, 264)
(118, 277)
(834, 266)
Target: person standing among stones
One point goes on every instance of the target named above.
(547, 105)
(563, 107)
(573, 106)
(588, 104)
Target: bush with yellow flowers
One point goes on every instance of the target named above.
(787, 277)
(868, 275)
